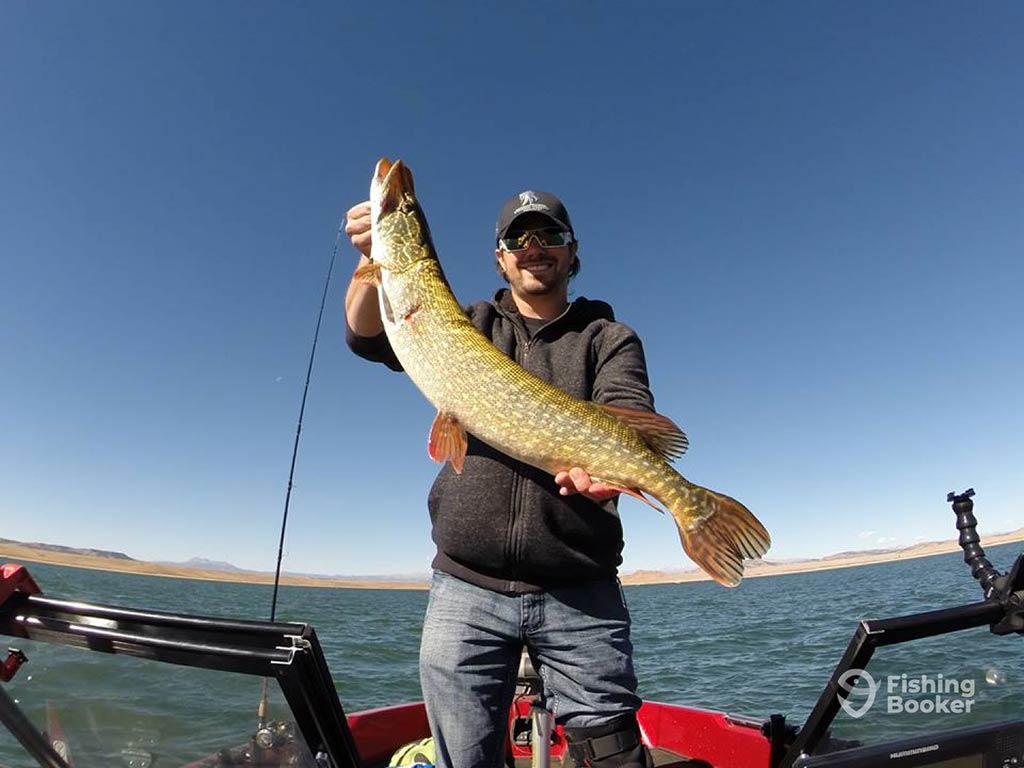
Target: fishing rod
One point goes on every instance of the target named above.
(262, 709)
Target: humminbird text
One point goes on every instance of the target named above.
(916, 751)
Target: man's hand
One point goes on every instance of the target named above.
(577, 480)
(361, 309)
(357, 227)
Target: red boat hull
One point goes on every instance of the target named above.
(712, 737)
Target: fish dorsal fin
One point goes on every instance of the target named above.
(659, 432)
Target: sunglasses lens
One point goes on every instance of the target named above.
(548, 238)
(553, 238)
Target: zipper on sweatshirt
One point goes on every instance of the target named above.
(514, 542)
(539, 331)
(516, 500)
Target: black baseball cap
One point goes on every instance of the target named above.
(532, 201)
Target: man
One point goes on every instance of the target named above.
(524, 559)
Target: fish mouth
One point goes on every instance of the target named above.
(391, 183)
(382, 172)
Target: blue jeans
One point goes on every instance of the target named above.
(469, 657)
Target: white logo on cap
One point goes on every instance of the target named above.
(528, 201)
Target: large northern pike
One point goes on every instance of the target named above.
(478, 389)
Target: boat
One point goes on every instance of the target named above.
(317, 732)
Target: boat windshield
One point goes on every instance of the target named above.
(108, 710)
(927, 687)
(165, 690)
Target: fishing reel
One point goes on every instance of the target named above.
(275, 735)
(1005, 588)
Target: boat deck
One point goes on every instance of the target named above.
(663, 758)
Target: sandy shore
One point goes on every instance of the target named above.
(20, 553)
(846, 560)
(17, 553)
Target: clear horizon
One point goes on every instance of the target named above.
(197, 562)
(809, 212)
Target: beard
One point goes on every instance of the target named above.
(541, 277)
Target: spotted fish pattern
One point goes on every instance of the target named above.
(479, 390)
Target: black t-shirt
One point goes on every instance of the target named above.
(534, 324)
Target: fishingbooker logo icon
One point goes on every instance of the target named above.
(848, 682)
(910, 694)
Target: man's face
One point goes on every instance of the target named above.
(536, 270)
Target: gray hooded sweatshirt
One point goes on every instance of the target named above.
(502, 524)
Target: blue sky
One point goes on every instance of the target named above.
(811, 213)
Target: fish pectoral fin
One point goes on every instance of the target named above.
(368, 274)
(448, 441)
(659, 432)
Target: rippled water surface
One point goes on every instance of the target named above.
(767, 647)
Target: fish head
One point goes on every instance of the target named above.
(400, 233)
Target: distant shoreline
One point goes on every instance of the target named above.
(759, 568)
(20, 553)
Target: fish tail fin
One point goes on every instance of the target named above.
(718, 533)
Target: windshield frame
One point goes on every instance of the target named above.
(286, 651)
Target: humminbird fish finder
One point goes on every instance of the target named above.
(995, 745)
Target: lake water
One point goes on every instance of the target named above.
(766, 647)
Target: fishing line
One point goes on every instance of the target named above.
(298, 431)
(262, 733)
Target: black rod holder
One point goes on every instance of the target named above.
(981, 569)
